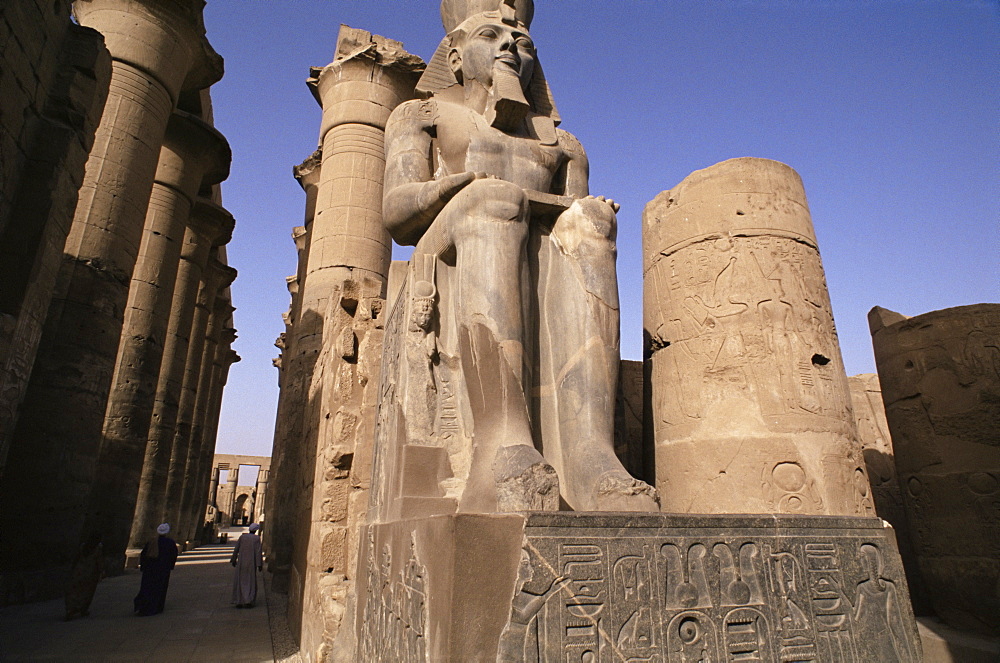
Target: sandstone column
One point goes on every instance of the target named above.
(291, 398)
(209, 226)
(54, 108)
(262, 480)
(213, 487)
(158, 48)
(750, 403)
(217, 276)
(369, 77)
(207, 408)
(940, 376)
(232, 483)
(194, 155)
(178, 509)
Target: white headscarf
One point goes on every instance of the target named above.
(163, 529)
(254, 527)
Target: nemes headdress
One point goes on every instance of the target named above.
(457, 15)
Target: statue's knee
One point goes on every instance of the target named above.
(589, 221)
(495, 200)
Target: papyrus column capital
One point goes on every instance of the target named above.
(369, 77)
(194, 154)
(211, 225)
(164, 38)
(307, 173)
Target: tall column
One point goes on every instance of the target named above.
(40, 179)
(750, 403)
(369, 77)
(940, 377)
(218, 357)
(291, 398)
(194, 155)
(158, 48)
(209, 226)
(213, 487)
(232, 483)
(217, 276)
(214, 337)
(262, 480)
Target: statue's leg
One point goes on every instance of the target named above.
(488, 225)
(580, 358)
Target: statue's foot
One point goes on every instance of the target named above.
(524, 480)
(617, 490)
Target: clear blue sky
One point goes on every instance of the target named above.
(888, 109)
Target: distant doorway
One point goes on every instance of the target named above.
(240, 515)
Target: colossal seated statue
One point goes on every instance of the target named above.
(512, 321)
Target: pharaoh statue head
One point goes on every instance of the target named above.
(460, 19)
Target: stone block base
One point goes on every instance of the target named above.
(132, 556)
(595, 588)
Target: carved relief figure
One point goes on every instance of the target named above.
(479, 178)
(421, 350)
(519, 641)
(877, 608)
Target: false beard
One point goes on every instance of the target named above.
(506, 106)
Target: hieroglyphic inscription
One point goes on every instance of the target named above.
(696, 589)
(395, 608)
(746, 315)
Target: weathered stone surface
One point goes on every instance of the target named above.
(50, 107)
(154, 47)
(750, 404)
(217, 357)
(940, 376)
(615, 587)
(503, 349)
(209, 226)
(631, 444)
(194, 155)
(206, 327)
(335, 331)
(876, 445)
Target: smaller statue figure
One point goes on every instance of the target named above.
(420, 401)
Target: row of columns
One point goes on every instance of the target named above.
(117, 421)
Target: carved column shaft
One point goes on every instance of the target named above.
(155, 46)
(232, 481)
(940, 377)
(213, 486)
(206, 372)
(216, 276)
(291, 399)
(203, 441)
(75, 85)
(369, 77)
(262, 481)
(193, 155)
(208, 226)
(750, 403)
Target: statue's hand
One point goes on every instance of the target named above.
(614, 206)
(440, 191)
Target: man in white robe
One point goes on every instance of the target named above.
(248, 560)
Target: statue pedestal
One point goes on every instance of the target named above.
(595, 587)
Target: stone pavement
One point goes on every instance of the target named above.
(198, 624)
